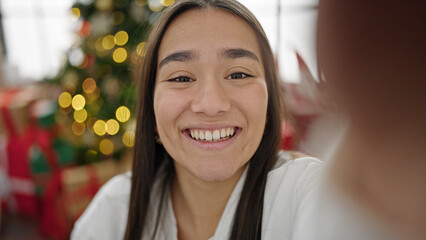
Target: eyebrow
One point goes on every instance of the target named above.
(234, 53)
(179, 56)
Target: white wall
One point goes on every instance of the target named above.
(297, 32)
(36, 32)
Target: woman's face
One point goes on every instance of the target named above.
(210, 99)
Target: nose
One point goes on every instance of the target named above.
(211, 98)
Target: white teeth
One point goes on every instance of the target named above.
(216, 135)
(223, 133)
(209, 136)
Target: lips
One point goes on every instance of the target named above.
(212, 135)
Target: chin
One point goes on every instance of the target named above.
(217, 172)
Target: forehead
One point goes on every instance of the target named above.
(207, 30)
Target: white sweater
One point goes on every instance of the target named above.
(289, 189)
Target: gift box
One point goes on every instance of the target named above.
(14, 104)
(68, 192)
(80, 184)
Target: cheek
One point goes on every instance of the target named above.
(254, 103)
(168, 105)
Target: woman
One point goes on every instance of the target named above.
(206, 163)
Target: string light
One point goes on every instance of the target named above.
(121, 38)
(99, 127)
(106, 146)
(76, 57)
(140, 49)
(155, 5)
(108, 42)
(78, 102)
(129, 138)
(80, 115)
(89, 85)
(122, 114)
(78, 128)
(167, 3)
(119, 55)
(112, 127)
(75, 14)
(64, 99)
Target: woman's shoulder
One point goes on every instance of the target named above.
(117, 186)
(290, 186)
(295, 162)
(293, 170)
(108, 208)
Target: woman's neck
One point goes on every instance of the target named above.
(198, 205)
(385, 171)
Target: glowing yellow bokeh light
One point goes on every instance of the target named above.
(129, 138)
(122, 114)
(78, 128)
(78, 102)
(99, 127)
(108, 42)
(167, 3)
(121, 38)
(155, 5)
(64, 99)
(112, 127)
(140, 49)
(80, 115)
(89, 85)
(75, 13)
(119, 55)
(141, 3)
(106, 146)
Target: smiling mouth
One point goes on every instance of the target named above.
(215, 135)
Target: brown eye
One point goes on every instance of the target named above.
(180, 79)
(238, 75)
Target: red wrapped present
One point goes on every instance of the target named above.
(80, 185)
(14, 114)
(69, 191)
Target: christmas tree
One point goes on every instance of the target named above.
(98, 88)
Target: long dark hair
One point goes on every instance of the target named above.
(149, 155)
